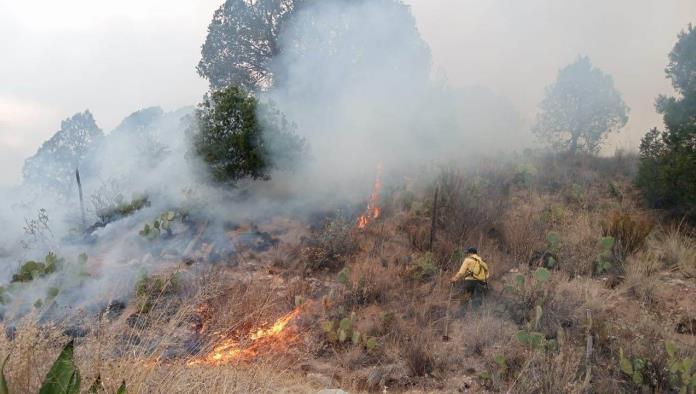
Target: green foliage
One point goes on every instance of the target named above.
(553, 242)
(371, 344)
(525, 174)
(108, 214)
(682, 375)
(63, 377)
(31, 270)
(424, 268)
(3, 381)
(542, 275)
(615, 191)
(580, 108)
(668, 158)
(343, 332)
(52, 293)
(535, 340)
(528, 298)
(502, 364)
(344, 277)
(605, 259)
(241, 42)
(575, 194)
(161, 227)
(238, 137)
(553, 248)
(634, 368)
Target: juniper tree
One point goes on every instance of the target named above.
(238, 137)
(580, 109)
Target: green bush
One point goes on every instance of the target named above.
(31, 270)
(605, 258)
(122, 209)
(237, 137)
(161, 227)
(424, 268)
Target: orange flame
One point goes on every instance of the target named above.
(272, 339)
(373, 211)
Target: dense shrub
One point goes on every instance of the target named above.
(332, 244)
(668, 158)
(238, 137)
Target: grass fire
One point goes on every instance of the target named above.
(364, 196)
(275, 338)
(372, 212)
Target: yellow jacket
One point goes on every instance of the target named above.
(473, 268)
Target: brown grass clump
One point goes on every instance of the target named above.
(678, 250)
(482, 332)
(629, 233)
(415, 352)
(640, 281)
(551, 373)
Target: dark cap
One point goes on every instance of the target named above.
(471, 249)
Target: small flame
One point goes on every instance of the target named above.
(373, 211)
(230, 350)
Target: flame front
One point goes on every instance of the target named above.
(373, 211)
(267, 340)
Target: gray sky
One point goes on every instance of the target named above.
(61, 57)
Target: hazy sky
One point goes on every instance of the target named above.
(61, 57)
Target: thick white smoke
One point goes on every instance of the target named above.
(356, 79)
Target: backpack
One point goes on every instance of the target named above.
(481, 269)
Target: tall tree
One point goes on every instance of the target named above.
(53, 166)
(242, 39)
(580, 109)
(668, 158)
(245, 36)
(237, 137)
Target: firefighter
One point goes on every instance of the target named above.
(472, 277)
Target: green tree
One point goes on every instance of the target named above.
(668, 158)
(242, 39)
(238, 137)
(580, 109)
(53, 166)
(245, 36)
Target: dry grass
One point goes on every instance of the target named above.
(678, 250)
(397, 292)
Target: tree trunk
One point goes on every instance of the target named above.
(82, 201)
(433, 220)
(574, 143)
